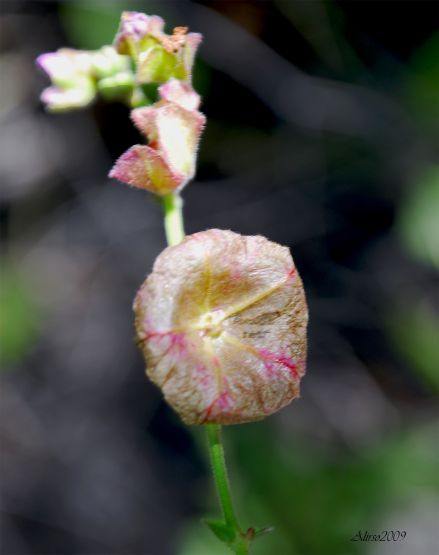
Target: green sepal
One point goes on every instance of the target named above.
(156, 65)
(139, 98)
(117, 86)
(147, 42)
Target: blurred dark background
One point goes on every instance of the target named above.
(322, 135)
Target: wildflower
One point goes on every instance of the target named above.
(221, 321)
(158, 56)
(136, 32)
(75, 75)
(173, 126)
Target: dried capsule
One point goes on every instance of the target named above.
(222, 321)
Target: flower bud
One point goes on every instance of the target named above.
(158, 56)
(221, 321)
(173, 130)
(70, 73)
(77, 75)
(106, 63)
(136, 32)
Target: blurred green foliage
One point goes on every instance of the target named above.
(316, 500)
(415, 332)
(419, 218)
(90, 25)
(18, 317)
(423, 83)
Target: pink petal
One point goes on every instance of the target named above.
(59, 100)
(134, 26)
(178, 134)
(145, 120)
(172, 131)
(57, 65)
(180, 93)
(143, 167)
(193, 40)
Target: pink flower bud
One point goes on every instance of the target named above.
(134, 28)
(173, 130)
(106, 62)
(70, 72)
(59, 100)
(64, 66)
(75, 75)
(221, 321)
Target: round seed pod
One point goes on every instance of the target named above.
(221, 321)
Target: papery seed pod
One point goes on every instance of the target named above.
(221, 321)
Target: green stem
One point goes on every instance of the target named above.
(173, 207)
(216, 451)
(218, 461)
(242, 548)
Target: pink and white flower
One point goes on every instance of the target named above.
(173, 127)
(75, 75)
(70, 73)
(158, 56)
